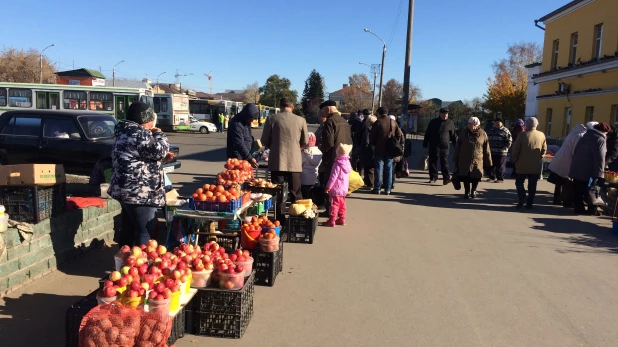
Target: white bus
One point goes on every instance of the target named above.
(172, 111)
(109, 100)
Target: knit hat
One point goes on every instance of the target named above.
(602, 127)
(140, 113)
(311, 141)
(474, 120)
(344, 149)
(519, 122)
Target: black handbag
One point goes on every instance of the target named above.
(456, 181)
(393, 145)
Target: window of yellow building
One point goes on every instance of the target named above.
(554, 59)
(589, 113)
(549, 116)
(615, 114)
(573, 53)
(598, 41)
(567, 121)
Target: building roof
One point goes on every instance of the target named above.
(346, 88)
(126, 83)
(566, 7)
(201, 95)
(81, 73)
(167, 88)
(232, 96)
(538, 63)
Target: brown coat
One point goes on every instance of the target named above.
(383, 129)
(472, 156)
(528, 151)
(284, 134)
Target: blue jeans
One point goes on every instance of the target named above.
(138, 224)
(221, 127)
(521, 191)
(384, 170)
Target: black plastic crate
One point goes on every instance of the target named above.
(267, 266)
(280, 191)
(178, 327)
(32, 204)
(223, 313)
(229, 239)
(74, 316)
(301, 229)
(189, 325)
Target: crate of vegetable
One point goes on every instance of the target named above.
(267, 266)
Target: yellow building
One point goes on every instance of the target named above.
(579, 74)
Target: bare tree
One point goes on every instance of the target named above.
(393, 94)
(252, 93)
(355, 99)
(23, 67)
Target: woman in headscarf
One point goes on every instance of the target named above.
(472, 154)
(239, 138)
(137, 179)
(560, 166)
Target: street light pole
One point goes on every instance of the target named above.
(382, 67)
(114, 73)
(158, 78)
(373, 96)
(406, 72)
(41, 62)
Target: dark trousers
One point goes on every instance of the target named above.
(369, 175)
(433, 165)
(323, 179)
(138, 224)
(357, 164)
(580, 190)
(521, 191)
(293, 179)
(470, 184)
(498, 165)
(305, 191)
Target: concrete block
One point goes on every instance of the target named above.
(4, 284)
(18, 277)
(41, 228)
(4, 258)
(8, 268)
(39, 268)
(89, 224)
(41, 242)
(53, 262)
(18, 252)
(11, 237)
(113, 205)
(35, 257)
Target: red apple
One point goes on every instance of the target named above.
(184, 278)
(152, 255)
(222, 267)
(225, 256)
(161, 250)
(231, 271)
(181, 265)
(108, 283)
(159, 297)
(229, 284)
(233, 257)
(130, 260)
(164, 264)
(152, 295)
(246, 254)
(136, 252)
(129, 278)
(140, 261)
(125, 270)
(166, 271)
(142, 247)
(206, 258)
(169, 283)
(187, 259)
(208, 266)
(199, 267)
(135, 286)
(152, 243)
(240, 268)
(134, 272)
(160, 288)
(143, 269)
(122, 282)
(175, 288)
(176, 274)
(115, 276)
(141, 291)
(183, 247)
(133, 294)
(110, 292)
(221, 250)
(241, 259)
(144, 285)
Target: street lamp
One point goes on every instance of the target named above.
(158, 77)
(41, 62)
(382, 67)
(373, 97)
(114, 73)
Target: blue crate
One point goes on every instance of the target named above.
(215, 206)
(277, 230)
(268, 204)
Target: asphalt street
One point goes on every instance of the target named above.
(422, 267)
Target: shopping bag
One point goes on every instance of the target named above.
(594, 196)
(355, 182)
(423, 165)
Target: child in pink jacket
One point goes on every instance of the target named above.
(337, 186)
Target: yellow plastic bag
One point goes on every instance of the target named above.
(355, 182)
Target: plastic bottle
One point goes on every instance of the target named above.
(4, 219)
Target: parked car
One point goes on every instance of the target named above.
(201, 126)
(77, 140)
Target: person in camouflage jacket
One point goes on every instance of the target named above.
(137, 179)
(500, 140)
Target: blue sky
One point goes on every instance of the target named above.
(243, 41)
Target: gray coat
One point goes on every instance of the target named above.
(589, 157)
(285, 134)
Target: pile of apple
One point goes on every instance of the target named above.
(237, 171)
(213, 192)
(269, 241)
(262, 183)
(231, 276)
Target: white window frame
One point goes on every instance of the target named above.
(598, 41)
(555, 50)
(574, 41)
(567, 122)
(589, 115)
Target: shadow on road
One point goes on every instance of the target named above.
(586, 233)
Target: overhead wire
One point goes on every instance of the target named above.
(390, 40)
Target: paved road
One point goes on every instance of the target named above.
(422, 267)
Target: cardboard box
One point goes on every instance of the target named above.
(32, 174)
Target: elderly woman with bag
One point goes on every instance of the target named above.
(472, 155)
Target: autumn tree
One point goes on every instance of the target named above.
(360, 81)
(252, 93)
(506, 91)
(313, 94)
(276, 88)
(392, 94)
(21, 66)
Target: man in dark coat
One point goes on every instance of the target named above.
(356, 128)
(335, 132)
(611, 143)
(439, 135)
(239, 138)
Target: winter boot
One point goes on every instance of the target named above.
(329, 223)
(340, 221)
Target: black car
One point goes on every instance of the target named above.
(77, 140)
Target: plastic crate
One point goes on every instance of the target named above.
(223, 313)
(256, 210)
(32, 204)
(74, 316)
(229, 239)
(301, 230)
(267, 266)
(215, 206)
(178, 327)
(268, 204)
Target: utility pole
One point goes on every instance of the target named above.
(114, 73)
(406, 72)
